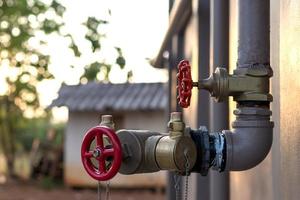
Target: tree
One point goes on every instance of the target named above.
(21, 21)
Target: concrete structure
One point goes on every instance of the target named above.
(133, 106)
(193, 35)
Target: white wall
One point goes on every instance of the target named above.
(77, 125)
(154, 121)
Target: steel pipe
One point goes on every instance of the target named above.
(250, 140)
(253, 32)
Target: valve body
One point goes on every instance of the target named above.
(146, 151)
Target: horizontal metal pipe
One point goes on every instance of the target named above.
(136, 157)
(146, 151)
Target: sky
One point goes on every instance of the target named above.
(136, 26)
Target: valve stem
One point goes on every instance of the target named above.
(195, 84)
(176, 125)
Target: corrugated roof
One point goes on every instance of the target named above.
(114, 97)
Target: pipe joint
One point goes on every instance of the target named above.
(218, 140)
(241, 148)
(250, 140)
(211, 150)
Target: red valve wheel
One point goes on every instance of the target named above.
(184, 83)
(108, 158)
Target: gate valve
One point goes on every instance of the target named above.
(185, 83)
(245, 84)
(102, 162)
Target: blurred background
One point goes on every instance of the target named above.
(65, 63)
(56, 57)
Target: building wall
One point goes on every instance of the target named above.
(80, 122)
(278, 176)
(288, 95)
(154, 121)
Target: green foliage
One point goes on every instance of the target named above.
(59, 9)
(21, 21)
(35, 128)
(49, 183)
(19, 24)
(74, 47)
(91, 71)
(94, 36)
(120, 59)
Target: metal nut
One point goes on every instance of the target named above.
(107, 120)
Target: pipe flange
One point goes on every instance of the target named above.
(201, 139)
(219, 143)
(252, 117)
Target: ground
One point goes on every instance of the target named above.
(29, 190)
(16, 190)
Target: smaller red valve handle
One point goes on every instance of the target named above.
(184, 83)
(108, 158)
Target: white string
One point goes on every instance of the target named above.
(107, 190)
(99, 191)
(177, 187)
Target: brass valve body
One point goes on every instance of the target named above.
(245, 84)
(173, 154)
(146, 151)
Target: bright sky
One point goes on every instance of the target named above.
(137, 26)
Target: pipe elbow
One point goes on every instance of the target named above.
(249, 142)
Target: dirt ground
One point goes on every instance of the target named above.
(32, 191)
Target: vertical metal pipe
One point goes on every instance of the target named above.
(176, 51)
(251, 138)
(176, 54)
(170, 191)
(219, 57)
(218, 112)
(254, 32)
(203, 72)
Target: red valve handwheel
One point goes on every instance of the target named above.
(108, 158)
(184, 83)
